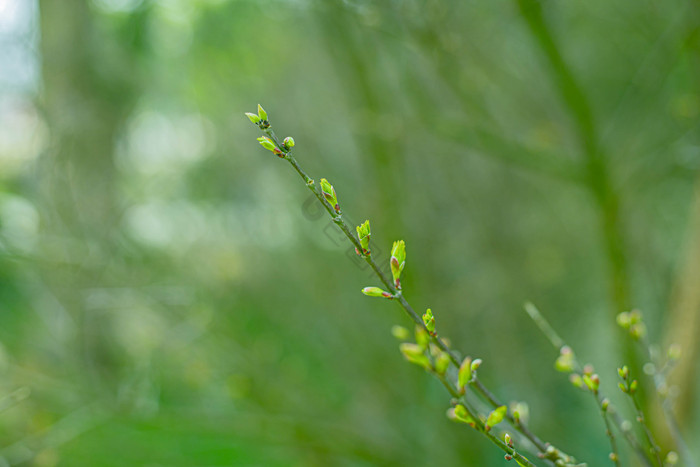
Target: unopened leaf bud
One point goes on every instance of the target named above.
(495, 417)
(588, 369)
(252, 117)
(613, 457)
(363, 234)
(624, 320)
(520, 411)
(415, 354)
(476, 364)
(429, 321)
(633, 386)
(329, 193)
(635, 316)
(288, 142)
(565, 361)
(465, 372)
(422, 337)
(591, 384)
(376, 292)
(460, 414)
(267, 143)
(638, 331)
(508, 457)
(442, 363)
(624, 372)
(604, 404)
(400, 332)
(397, 261)
(576, 380)
(508, 440)
(261, 113)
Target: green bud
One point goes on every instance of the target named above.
(267, 143)
(622, 387)
(623, 372)
(576, 380)
(398, 260)
(520, 411)
(592, 382)
(633, 386)
(329, 193)
(400, 332)
(565, 361)
(376, 292)
(465, 372)
(635, 316)
(476, 364)
(604, 404)
(422, 337)
(638, 331)
(442, 363)
(252, 117)
(415, 354)
(495, 417)
(363, 234)
(261, 113)
(429, 321)
(288, 142)
(460, 414)
(613, 457)
(623, 320)
(508, 440)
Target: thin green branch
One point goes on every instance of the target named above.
(653, 445)
(614, 455)
(544, 326)
(282, 151)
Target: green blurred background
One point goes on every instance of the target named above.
(169, 296)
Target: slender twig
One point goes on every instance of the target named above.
(285, 153)
(653, 445)
(614, 455)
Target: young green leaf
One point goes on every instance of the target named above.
(261, 113)
(442, 363)
(495, 417)
(465, 372)
(398, 261)
(252, 117)
(415, 354)
(363, 234)
(376, 292)
(429, 321)
(267, 143)
(329, 193)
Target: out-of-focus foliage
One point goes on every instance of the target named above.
(169, 295)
